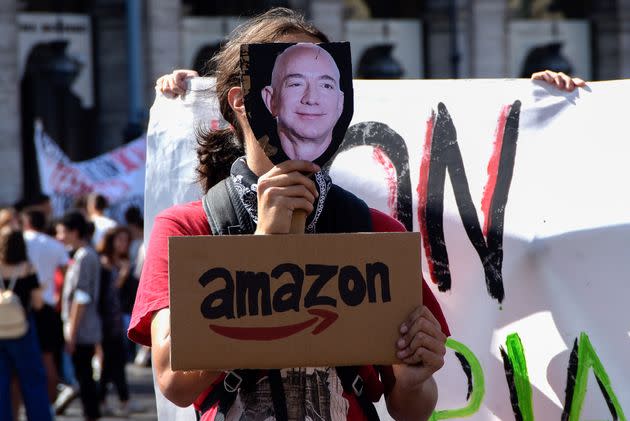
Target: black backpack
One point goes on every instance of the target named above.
(343, 212)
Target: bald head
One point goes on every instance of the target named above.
(305, 98)
(303, 51)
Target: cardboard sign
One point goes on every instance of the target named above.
(290, 300)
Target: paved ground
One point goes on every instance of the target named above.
(141, 389)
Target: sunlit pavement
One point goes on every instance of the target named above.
(141, 390)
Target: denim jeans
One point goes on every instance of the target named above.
(23, 357)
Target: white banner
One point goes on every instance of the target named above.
(519, 192)
(118, 175)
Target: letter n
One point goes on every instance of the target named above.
(441, 154)
(583, 358)
(476, 383)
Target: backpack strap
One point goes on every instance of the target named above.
(224, 394)
(12, 281)
(353, 384)
(344, 212)
(225, 212)
(277, 395)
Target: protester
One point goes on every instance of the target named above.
(82, 322)
(47, 255)
(135, 222)
(20, 353)
(96, 206)
(410, 389)
(115, 278)
(40, 202)
(9, 218)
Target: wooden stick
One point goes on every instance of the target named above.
(298, 222)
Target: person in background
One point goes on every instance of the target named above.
(42, 203)
(47, 255)
(96, 206)
(114, 250)
(9, 218)
(79, 312)
(115, 273)
(135, 222)
(21, 355)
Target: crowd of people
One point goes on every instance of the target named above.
(75, 279)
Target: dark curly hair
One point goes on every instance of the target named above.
(12, 246)
(218, 149)
(106, 246)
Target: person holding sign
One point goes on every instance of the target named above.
(306, 100)
(271, 194)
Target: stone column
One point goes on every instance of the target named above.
(605, 25)
(327, 15)
(488, 40)
(624, 38)
(10, 141)
(163, 38)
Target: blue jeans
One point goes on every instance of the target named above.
(23, 357)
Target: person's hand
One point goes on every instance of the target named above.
(281, 191)
(123, 273)
(174, 84)
(559, 80)
(70, 345)
(125, 266)
(421, 346)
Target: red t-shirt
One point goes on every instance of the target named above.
(190, 219)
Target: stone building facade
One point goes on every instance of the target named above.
(480, 48)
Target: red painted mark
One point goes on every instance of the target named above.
(422, 191)
(121, 157)
(68, 180)
(392, 184)
(279, 332)
(493, 168)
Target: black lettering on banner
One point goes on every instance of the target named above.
(249, 287)
(382, 271)
(288, 296)
(225, 308)
(324, 274)
(352, 296)
(445, 156)
(381, 136)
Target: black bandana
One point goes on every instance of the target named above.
(246, 184)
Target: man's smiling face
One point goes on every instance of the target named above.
(305, 96)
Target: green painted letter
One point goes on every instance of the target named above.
(478, 386)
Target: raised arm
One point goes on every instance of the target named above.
(174, 84)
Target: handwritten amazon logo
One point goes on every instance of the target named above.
(288, 287)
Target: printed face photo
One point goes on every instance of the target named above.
(305, 99)
(297, 99)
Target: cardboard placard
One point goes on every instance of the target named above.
(290, 300)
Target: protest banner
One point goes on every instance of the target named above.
(118, 175)
(525, 242)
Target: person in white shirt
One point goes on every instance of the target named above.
(96, 206)
(47, 256)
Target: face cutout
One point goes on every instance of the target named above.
(298, 98)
